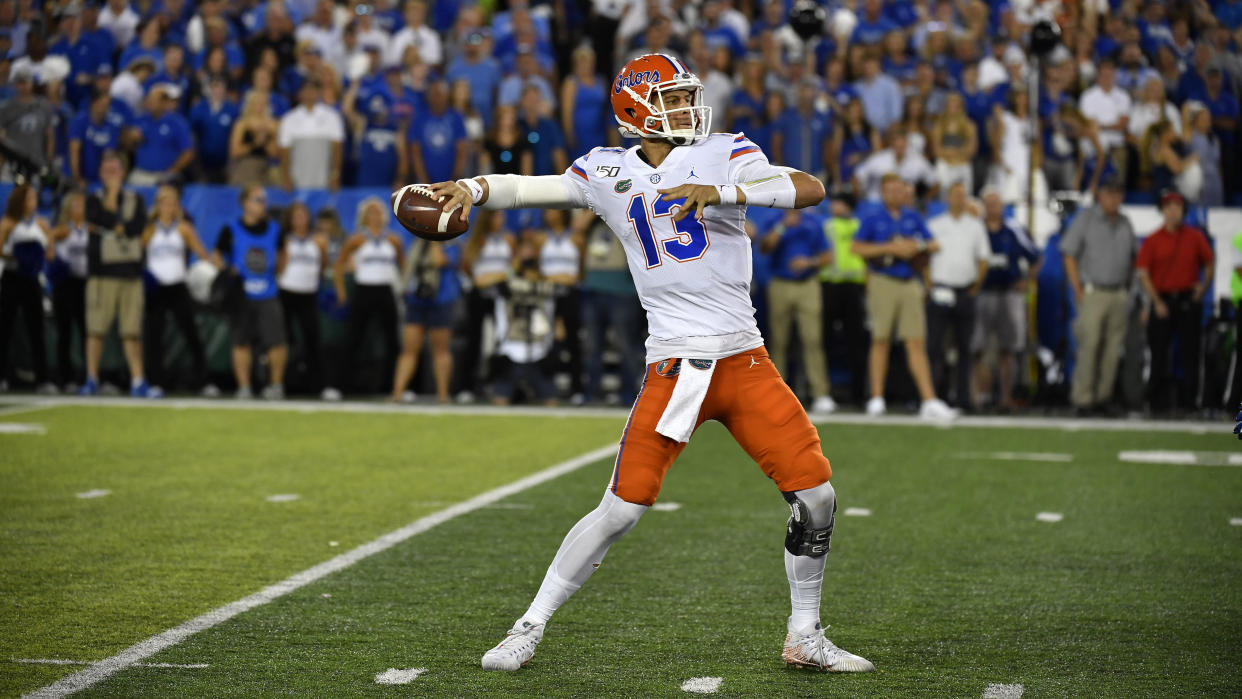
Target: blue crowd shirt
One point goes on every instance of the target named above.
(163, 141)
(881, 227)
(804, 137)
(438, 136)
(96, 139)
(1010, 246)
(806, 239)
(213, 128)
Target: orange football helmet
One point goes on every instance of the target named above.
(638, 100)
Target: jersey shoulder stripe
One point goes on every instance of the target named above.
(578, 171)
(744, 150)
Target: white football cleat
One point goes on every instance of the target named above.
(812, 651)
(936, 410)
(824, 405)
(517, 648)
(876, 407)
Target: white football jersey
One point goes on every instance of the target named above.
(693, 277)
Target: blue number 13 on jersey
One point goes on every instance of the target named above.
(689, 243)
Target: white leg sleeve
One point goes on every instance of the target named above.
(581, 553)
(806, 573)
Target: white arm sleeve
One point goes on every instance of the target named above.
(766, 185)
(524, 192)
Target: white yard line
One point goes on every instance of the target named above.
(1004, 691)
(857, 512)
(29, 402)
(56, 661)
(97, 672)
(1183, 458)
(1050, 517)
(1017, 456)
(22, 428)
(702, 685)
(666, 507)
(96, 493)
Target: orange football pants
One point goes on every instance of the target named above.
(748, 396)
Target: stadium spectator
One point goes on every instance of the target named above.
(957, 272)
(119, 113)
(212, 119)
(120, 20)
(147, 45)
(1069, 139)
(91, 135)
(253, 142)
(541, 132)
(853, 141)
(843, 289)
(168, 240)
(85, 51)
(67, 273)
(525, 331)
(276, 35)
(1132, 69)
(252, 249)
(321, 29)
(560, 263)
(1224, 109)
(1098, 252)
(506, 149)
(745, 110)
(954, 143)
(1009, 132)
(917, 126)
(379, 138)
(585, 108)
(437, 139)
(911, 168)
(24, 245)
(26, 120)
(460, 101)
(895, 242)
(173, 71)
(798, 249)
(605, 19)
(1175, 266)
(1000, 316)
(1109, 106)
(487, 259)
(1206, 146)
(1151, 106)
(377, 257)
(424, 40)
(432, 290)
(926, 91)
(116, 216)
(311, 140)
(306, 258)
(127, 88)
(483, 72)
(803, 137)
(1173, 164)
(166, 142)
(526, 75)
(880, 95)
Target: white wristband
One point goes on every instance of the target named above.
(476, 189)
(728, 194)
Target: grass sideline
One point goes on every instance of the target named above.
(950, 585)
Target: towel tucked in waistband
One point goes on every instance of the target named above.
(682, 412)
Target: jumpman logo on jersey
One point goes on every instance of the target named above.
(753, 363)
(691, 174)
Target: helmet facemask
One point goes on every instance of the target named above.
(658, 125)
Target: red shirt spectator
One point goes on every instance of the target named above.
(1174, 258)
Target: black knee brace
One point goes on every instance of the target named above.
(800, 539)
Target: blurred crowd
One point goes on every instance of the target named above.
(117, 98)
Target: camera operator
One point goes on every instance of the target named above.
(524, 328)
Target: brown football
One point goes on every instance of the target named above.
(422, 215)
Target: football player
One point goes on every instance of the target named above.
(677, 201)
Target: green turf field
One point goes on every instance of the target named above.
(951, 584)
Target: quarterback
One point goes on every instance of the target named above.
(677, 201)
